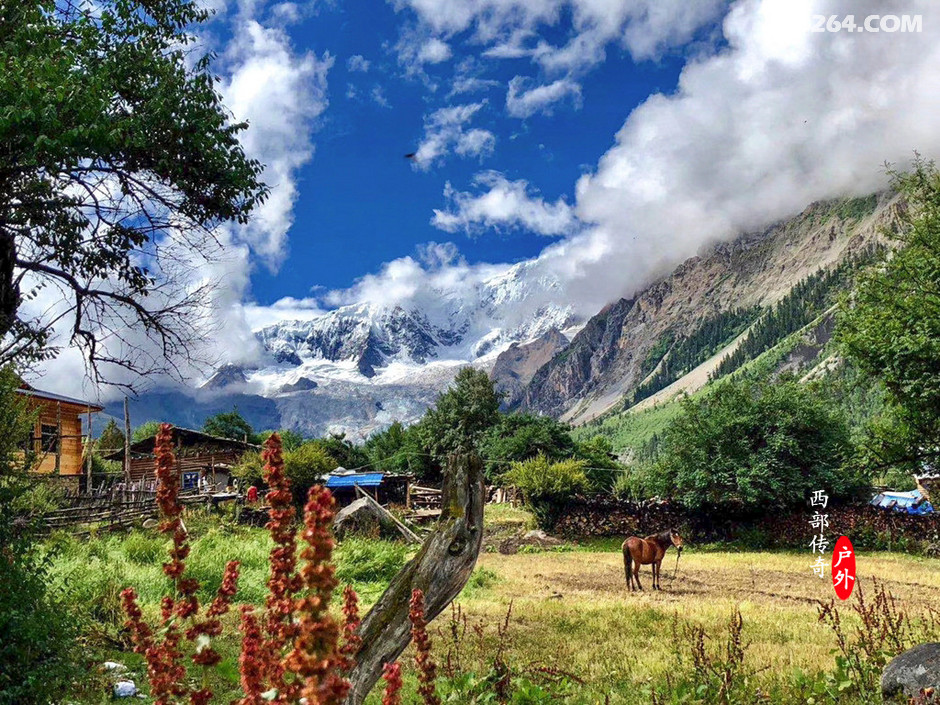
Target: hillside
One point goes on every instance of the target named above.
(677, 332)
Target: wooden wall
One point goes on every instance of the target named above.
(70, 462)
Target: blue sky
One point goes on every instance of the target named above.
(598, 143)
(360, 203)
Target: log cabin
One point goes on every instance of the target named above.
(201, 459)
(61, 428)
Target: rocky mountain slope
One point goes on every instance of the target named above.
(360, 367)
(623, 346)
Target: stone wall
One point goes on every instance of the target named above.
(866, 526)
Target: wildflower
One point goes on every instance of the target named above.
(391, 672)
(427, 671)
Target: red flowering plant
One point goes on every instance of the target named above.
(291, 651)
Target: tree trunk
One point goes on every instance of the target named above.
(440, 569)
(9, 290)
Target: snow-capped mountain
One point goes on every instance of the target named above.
(362, 366)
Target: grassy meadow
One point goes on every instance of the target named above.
(574, 633)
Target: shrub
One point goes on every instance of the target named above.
(547, 486)
(305, 468)
(753, 446)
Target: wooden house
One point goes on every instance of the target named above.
(203, 461)
(59, 434)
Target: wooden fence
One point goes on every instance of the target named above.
(119, 508)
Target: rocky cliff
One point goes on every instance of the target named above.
(610, 356)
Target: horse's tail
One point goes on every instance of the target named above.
(626, 562)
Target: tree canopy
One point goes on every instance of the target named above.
(753, 446)
(890, 328)
(117, 162)
(230, 424)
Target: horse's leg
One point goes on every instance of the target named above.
(636, 574)
(659, 575)
(626, 568)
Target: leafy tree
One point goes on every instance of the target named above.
(343, 451)
(148, 429)
(402, 450)
(290, 440)
(112, 438)
(547, 486)
(117, 162)
(753, 446)
(305, 468)
(516, 437)
(462, 415)
(890, 328)
(38, 658)
(230, 424)
(601, 467)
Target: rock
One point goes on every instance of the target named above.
(113, 667)
(361, 517)
(125, 689)
(914, 669)
(150, 523)
(537, 538)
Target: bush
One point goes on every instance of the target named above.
(305, 467)
(547, 486)
(749, 447)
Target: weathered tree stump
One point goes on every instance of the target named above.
(441, 569)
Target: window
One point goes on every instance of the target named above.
(190, 480)
(48, 437)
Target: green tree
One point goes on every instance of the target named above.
(462, 415)
(117, 162)
(753, 446)
(148, 429)
(343, 451)
(516, 437)
(290, 440)
(230, 424)
(402, 450)
(305, 467)
(111, 438)
(38, 658)
(890, 328)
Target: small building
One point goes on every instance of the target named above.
(59, 433)
(929, 485)
(382, 487)
(203, 461)
(907, 502)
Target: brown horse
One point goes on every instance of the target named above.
(648, 551)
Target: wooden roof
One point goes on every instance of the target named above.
(27, 390)
(187, 438)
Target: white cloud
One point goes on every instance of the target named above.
(504, 204)
(433, 51)
(358, 63)
(446, 129)
(510, 28)
(522, 102)
(778, 119)
(280, 94)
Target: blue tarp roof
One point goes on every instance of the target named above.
(363, 479)
(909, 502)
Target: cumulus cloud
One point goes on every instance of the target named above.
(503, 204)
(446, 130)
(776, 119)
(358, 63)
(511, 28)
(280, 93)
(522, 102)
